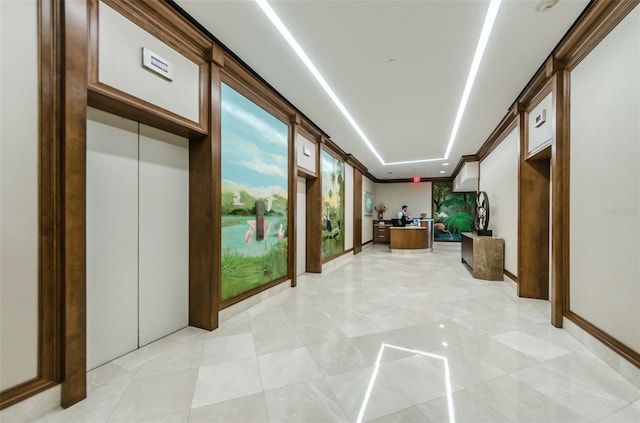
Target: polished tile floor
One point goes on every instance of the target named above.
(375, 338)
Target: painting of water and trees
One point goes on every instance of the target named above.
(452, 212)
(254, 168)
(332, 205)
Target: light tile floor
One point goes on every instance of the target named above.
(309, 355)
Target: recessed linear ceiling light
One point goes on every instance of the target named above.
(489, 20)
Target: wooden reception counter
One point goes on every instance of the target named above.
(414, 238)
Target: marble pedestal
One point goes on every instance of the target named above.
(484, 255)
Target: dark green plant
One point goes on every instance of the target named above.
(459, 222)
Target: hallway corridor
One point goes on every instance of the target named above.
(308, 354)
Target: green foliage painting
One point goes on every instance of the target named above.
(452, 212)
(254, 167)
(332, 205)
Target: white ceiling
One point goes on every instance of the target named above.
(406, 108)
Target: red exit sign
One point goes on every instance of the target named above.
(416, 179)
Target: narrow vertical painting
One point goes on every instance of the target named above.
(254, 162)
(452, 212)
(332, 205)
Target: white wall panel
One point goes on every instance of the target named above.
(499, 178)
(415, 195)
(306, 153)
(120, 66)
(367, 221)
(605, 184)
(112, 237)
(541, 134)
(348, 207)
(18, 192)
(301, 226)
(164, 234)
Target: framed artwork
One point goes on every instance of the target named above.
(332, 205)
(368, 204)
(254, 181)
(453, 212)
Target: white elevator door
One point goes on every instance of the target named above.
(137, 235)
(164, 234)
(112, 237)
(301, 226)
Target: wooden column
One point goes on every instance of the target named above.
(357, 211)
(292, 244)
(204, 213)
(74, 120)
(314, 227)
(560, 200)
(533, 222)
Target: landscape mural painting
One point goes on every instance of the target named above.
(254, 168)
(452, 212)
(332, 205)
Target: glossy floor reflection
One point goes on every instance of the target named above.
(308, 355)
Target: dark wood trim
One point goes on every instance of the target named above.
(237, 77)
(94, 43)
(204, 216)
(368, 242)
(308, 129)
(314, 223)
(511, 276)
(305, 173)
(293, 204)
(51, 277)
(560, 162)
(161, 21)
(112, 100)
(532, 88)
(542, 152)
(533, 221)
(618, 347)
(74, 121)
(331, 148)
(239, 298)
(356, 164)
(257, 95)
(357, 211)
(24, 391)
(596, 22)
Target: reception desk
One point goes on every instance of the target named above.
(410, 238)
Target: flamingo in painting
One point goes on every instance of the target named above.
(265, 226)
(280, 233)
(442, 228)
(248, 237)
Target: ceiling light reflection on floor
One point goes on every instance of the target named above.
(447, 379)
